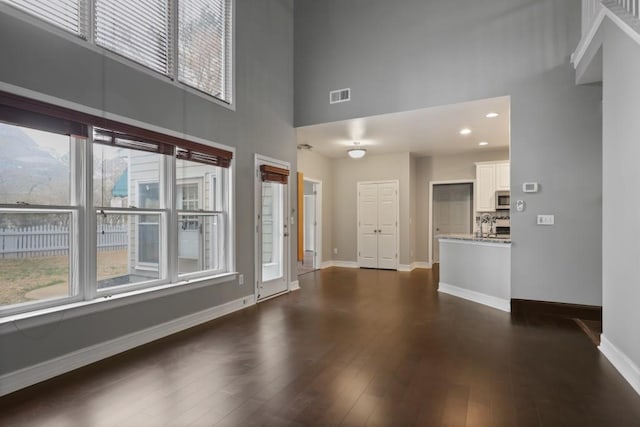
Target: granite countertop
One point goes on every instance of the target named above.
(473, 238)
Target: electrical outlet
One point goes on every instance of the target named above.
(241, 279)
(546, 219)
(335, 251)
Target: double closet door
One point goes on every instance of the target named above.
(378, 225)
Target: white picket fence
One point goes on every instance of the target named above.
(50, 240)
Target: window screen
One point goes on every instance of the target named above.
(67, 14)
(204, 46)
(137, 30)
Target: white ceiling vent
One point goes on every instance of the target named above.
(340, 95)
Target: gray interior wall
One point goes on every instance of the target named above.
(443, 168)
(405, 54)
(319, 167)
(38, 60)
(621, 151)
(347, 173)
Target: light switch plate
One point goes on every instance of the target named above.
(546, 219)
(241, 279)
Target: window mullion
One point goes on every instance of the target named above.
(90, 24)
(90, 238)
(170, 242)
(173, 43)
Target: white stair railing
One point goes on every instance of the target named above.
(631, 6)
(590, 9)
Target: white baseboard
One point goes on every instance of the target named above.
(629, 370)
(488, 300)
(422, 264)
(326, 264)
(344, 264)
(413, 266)
(25, 377)
(294, 286)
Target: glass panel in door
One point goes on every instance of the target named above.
(272, 231)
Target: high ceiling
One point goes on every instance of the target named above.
(424, 132)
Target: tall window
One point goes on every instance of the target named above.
(201, 215)
(143, 31)
(69, 15)
(204, 45)
(138, 30)
(39, 214)
(155, 211)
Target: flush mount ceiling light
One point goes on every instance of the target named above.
(492, 115)
(356, 152)
(483, 143)
(465, 131)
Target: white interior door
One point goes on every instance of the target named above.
(387, 225)
(378, 225)
(452, 212)
(368, 225)
(272, 233)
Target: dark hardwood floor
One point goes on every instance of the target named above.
(352, 347)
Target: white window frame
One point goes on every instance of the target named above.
(76, 244)
(223, 213)
(87, 298)
(88, 42)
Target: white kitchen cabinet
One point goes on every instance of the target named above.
(486, 187)
(490, 177)
(502, 176)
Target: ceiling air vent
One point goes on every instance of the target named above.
(340, 95)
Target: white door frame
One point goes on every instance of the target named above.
(318, 243)
(387, 181)
(260, 160)
(451, 181)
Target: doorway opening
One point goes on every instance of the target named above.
(451, 212)
(311, 229)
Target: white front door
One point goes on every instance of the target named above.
(378, 225)
(272, 238)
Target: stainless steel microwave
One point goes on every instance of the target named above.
(503, 200)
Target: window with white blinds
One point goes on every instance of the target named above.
(67, 14)
(189, 41)
(139, 30)
(204, 46)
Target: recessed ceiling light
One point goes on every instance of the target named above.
(492, 115)
(465, 131)
(483, 143)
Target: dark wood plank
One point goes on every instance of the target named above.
(351, 348)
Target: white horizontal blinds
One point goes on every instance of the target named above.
(138, 30)
(204, 46)
(67, 14)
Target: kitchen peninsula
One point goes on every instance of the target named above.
(477, 269)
